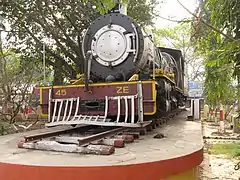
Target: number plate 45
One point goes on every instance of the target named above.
(61, 92)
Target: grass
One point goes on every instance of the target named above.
(231, 150)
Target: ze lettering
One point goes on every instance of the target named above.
(61, 92)
(122, 90)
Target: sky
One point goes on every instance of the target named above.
(171, 9)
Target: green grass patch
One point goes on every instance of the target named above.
(231, 150)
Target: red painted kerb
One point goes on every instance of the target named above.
(143, 171)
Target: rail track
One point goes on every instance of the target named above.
(89, 139)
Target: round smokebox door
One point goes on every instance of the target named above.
(110, 45)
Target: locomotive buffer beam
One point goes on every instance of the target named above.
(68, 119)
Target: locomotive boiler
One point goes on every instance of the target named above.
(127, 80)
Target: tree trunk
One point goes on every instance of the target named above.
(58, 77)
(5, 106)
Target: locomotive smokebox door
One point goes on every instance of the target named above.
(116, 43)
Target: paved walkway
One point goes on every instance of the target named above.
(172, 158)
(182, 138)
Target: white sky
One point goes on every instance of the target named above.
(171, 9)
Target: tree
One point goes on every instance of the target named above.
(178, 37)
(60, 26)
(16, 79)
(143, 11)
(217, 36)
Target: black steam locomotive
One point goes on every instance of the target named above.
(126, 81)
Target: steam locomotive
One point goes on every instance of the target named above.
(127, 80)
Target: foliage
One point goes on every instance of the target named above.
(178, 37)
(102, 6)
(16, 79)
(217, 35)
(60, 25)
(57, 24)
(143, 11)
(219, 70)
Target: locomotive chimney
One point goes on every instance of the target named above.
(120, 7)
(123, 8)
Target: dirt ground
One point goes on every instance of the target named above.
(217, 166)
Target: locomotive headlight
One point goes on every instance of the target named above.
(110, 45)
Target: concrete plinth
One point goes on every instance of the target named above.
(175, 157)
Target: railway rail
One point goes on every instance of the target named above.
(89, 139)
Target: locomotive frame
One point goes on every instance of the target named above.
(134, 102)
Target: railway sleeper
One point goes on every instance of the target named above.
(141, 130)
(116, 142)
(136, 135)
(154, 126)
(47, 145)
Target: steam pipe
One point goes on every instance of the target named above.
(86, 69)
